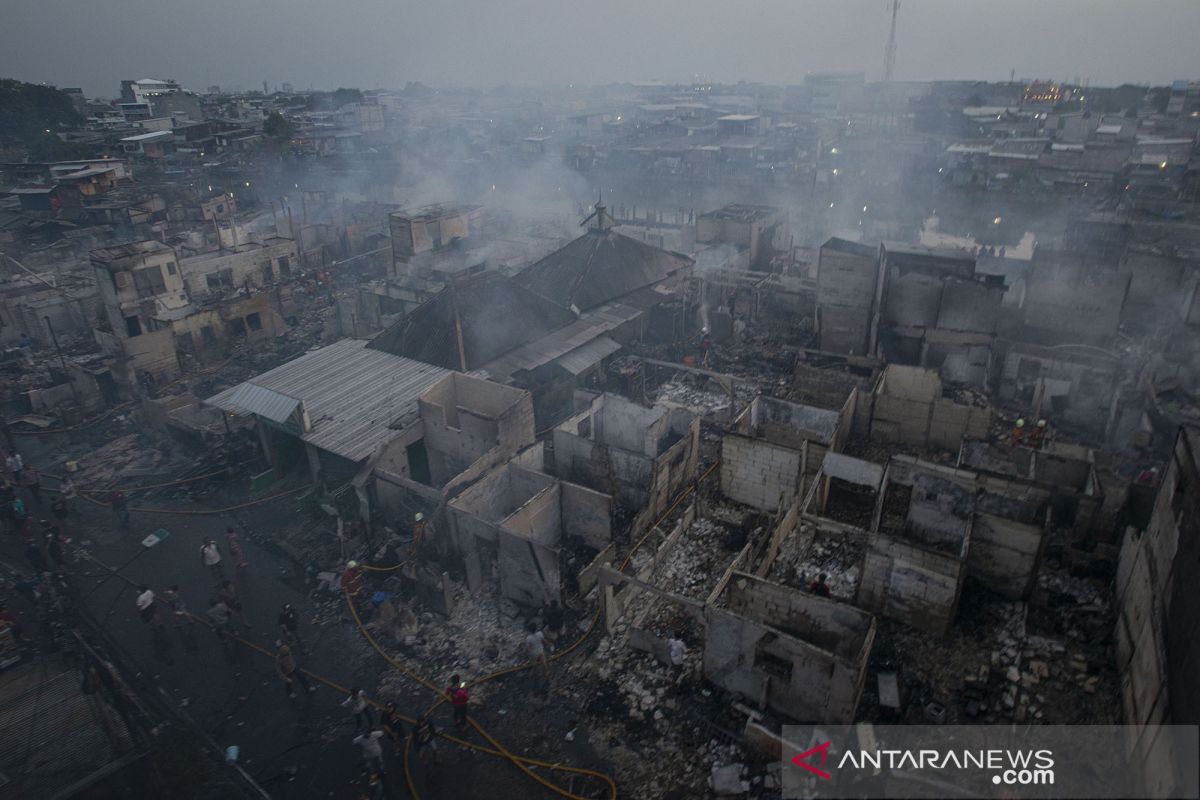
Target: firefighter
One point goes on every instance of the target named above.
(705, 346)
(1038, 434)
(418, 530)
(352, 580)
(1018, 432)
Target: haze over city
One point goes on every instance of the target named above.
(383, 44)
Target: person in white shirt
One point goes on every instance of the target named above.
(14, 464)
(147, 604)
(535, 648)
(210, 556)
(357, 702)
(371, 750)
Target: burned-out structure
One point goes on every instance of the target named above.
(551, 326)
(802, 655)
(1157, 616)
(641, 456)
(517, 524)
(936, 311)
(908, 405)
(847, 286)
(777, 447)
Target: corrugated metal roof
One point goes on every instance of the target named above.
(583, 358)
(562, 341)
(352, 395)
(51, 733)
(248, 398)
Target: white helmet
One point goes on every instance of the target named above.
(704, 329)
(419, 516)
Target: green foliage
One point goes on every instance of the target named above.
(278, 127)
(28, 111)
(341, 97)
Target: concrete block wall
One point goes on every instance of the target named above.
(1005, 555)
(839, 628)
(759, 473)
(911, 584)
(802, 681)
(587, 514)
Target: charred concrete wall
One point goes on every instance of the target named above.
(1072, 300)
(1158, 614)
(907, 407)
(517, 520)
(469, 418)
(847, 276)
(1006, 520)
(1065, 385)
(642, 457)
(909, 583)
(799, 654)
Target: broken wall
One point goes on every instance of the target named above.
(468, 420)
(1157, 615)
(1005, 555)
(758, 473)
(583, 454)
(912, 584)
(799, 654)
(907, 407)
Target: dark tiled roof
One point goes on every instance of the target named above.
(496, 315)
(599, 267)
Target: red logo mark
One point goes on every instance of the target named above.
(823, 749)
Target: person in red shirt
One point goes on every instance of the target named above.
(459, 698)
(819, 587)
(352, 580)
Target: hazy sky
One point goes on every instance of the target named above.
(383, 43)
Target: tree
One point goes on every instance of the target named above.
(343, 96)
(278, 127)
(974, 101)
(30, 114)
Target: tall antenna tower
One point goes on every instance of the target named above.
(889, 55)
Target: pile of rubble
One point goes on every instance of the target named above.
(806, 554)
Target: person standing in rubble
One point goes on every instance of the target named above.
(677, 652)
(535, 649)
(460, 698)
(1018, 433)
(819, 587)
(67, 493)
(14, 464)
(352, 581)
(419, 532)
(553, 619)
(705, 346)
(1038, 435)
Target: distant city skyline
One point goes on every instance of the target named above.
(484, 43)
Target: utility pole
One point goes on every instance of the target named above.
(889, 55)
